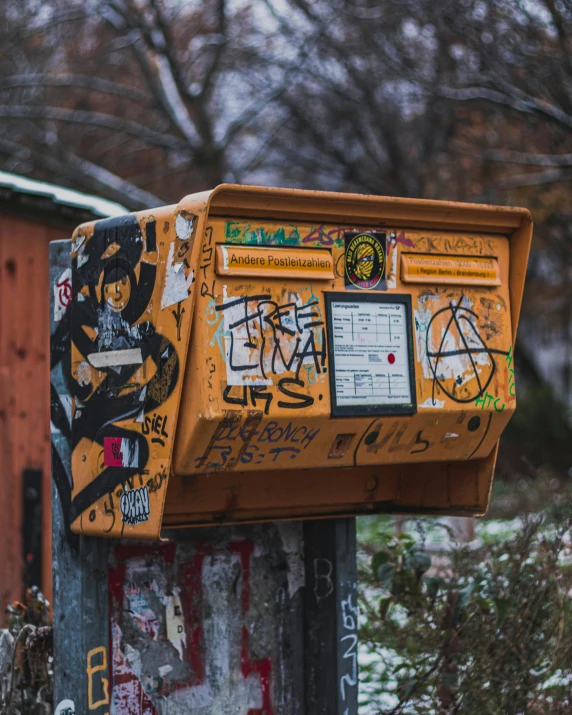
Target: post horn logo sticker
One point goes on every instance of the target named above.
(365, 261)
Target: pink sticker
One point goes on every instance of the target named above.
(120, 452)
(112, 454)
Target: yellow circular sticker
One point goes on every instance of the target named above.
(365, 260)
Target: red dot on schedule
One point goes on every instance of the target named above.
(391, 358)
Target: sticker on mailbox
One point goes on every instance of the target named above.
(120, 452)
(365, 261)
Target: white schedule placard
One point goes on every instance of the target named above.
(371, 353)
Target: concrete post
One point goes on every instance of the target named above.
(251, 620)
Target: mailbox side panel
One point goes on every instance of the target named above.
(133, 291)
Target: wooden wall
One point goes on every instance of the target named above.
(24, 389)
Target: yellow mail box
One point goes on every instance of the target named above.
(257, 354)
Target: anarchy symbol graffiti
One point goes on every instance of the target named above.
(463, 357)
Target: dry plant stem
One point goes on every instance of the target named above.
(28, 628)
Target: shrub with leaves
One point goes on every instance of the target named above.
(26, 657)
(485, 631)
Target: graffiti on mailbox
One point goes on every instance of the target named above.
(456, 345)
(268, 343)
(125, 364)
(235, 443)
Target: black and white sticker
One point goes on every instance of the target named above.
(134, 506)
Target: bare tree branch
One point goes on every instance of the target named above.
(156, 58)
(105, 180)
(535, 179)
(96, 119)
(528, 158)
(513, 98)
(221, 32)
(94, 178)
(96, 84)
(57, 18)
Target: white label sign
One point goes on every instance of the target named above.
(370, 353)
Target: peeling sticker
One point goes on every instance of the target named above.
(184, 227)
(82, 256)
(430, 402)
(83, 374)
(177, 284)
(65, 707)
(176, 623)
(140, 611)
(451, 435)
(291, 537)
(78, 242)
(114, 358)
(121, 452)
(133, 660)
(422, 318)
(224, 253)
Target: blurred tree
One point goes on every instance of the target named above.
(363, 110)
(123, 97)
(144, 100)
(425, 99)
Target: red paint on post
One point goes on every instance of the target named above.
(128, 551)
(64, 291)
(391, 358)
(192, 602)
(128, 690)
(115, 581)
(264, 668)
(129, 697)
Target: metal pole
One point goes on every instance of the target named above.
(330, 617)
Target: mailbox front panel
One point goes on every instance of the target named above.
(317, 346)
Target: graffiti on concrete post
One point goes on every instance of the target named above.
(205, 621)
